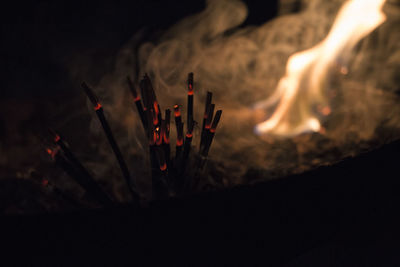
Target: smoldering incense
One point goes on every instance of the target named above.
(190, 120)
(211, 132)
(207, 127)
(74, 168)
(107, 130)
(167, 127)
(203, 130)
(179, 130)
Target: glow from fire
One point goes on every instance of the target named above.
(302, 88)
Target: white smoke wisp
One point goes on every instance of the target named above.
(242, 66)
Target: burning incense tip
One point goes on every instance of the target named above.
(179, 142)
(177, 112)
(97, 107)
(217, 117)
(163, 167)
(54, 135)
(190, 81)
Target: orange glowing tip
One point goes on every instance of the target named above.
(163, 167)
(177, 112)
(208, 126)
(45, 182)
(190, 91)
(155, 104)
(98, 106)
(190, 83)
(51, 152)
(155, 120)
(189, 135)
(137, 98)
(179, 142)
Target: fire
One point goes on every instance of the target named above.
(302, 87)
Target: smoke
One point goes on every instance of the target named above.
(242, 66)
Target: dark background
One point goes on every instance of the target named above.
(39, 38)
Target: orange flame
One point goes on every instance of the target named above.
(302, 86)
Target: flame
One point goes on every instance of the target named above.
(306, 72)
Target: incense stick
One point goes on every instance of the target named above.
(110, 137)
(211, 132)
(203, 130)
(138, 103)
(73, 168)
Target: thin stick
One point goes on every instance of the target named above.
(138, 102)
(167, 127)
(71, 165)
(190, 121)
(150, 100)
(207, 127)
(107, 130)
(203, 130)
(179, 130)
(211, 133)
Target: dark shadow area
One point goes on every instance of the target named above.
(342, 215)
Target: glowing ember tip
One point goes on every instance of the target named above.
(179, 142)
(163, 167)
(97, 107)
(307, 72)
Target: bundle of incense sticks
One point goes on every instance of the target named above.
(167, 171)
(163, 167)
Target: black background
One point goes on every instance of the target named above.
(39, 37)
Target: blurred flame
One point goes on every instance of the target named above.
(302, 86)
